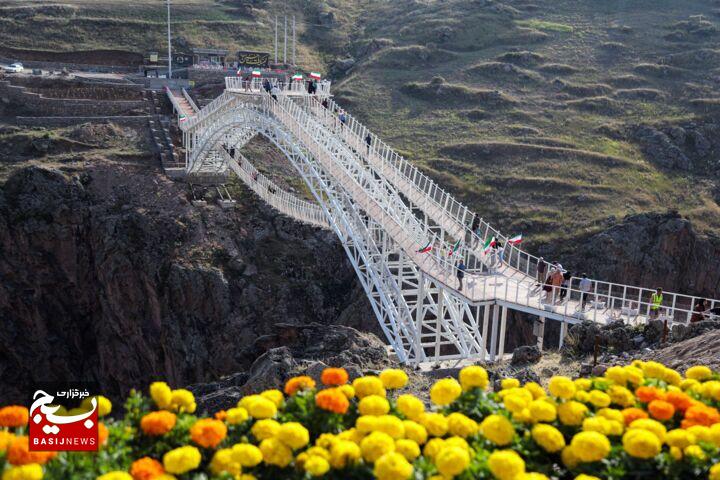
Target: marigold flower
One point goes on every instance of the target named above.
(542, 411)
(182, 460)
(572, 413)
(410, 406)
(265, 428)
(445, 391)
(393, 378)
(680, 438)
(183, 401)
(32, 471)
(631, 414)
(389, 424)
(373, 405)
(223, 462)
(392, 466)
(641, 443)
(701, 433)
(303, 382)
(236, 416)
(461, 425)
(376, 445)
(653, 426)
(18, 453)
(246, 454)
(344, 453)
(451, 461)
(473, 376)
(161, 394)
(507, 383)
(506, 464)
(13, 416)
(436, 424)
(334, 376)
(276, 452)
(648, 394)
(103, 434)
(261, 408)
(347, 390)
(407, 448)
(695, 451)
(562, 387)
(433, 447)
(114, 475)
(535, 390)
(146, 468)
(158, 423)
(590, 446)
(208, 432)
(599, 399)
(415, 432)
(680, 400)
(700, 414)
(316, 466)
(104, 405)
(294, 435)
(569, 458)
(715, 472)
(617, 375)
(548, 437)
(274, 396)
(661, 410)
(368, 385)
(332, 400)
(6, 439)
(497, 429)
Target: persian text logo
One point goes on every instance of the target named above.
(54, 428)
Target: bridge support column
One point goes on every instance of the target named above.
(503, 323)
(494, 335)
(540, 332)
(486, 322)
(563, 332)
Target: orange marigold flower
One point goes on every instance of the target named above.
(631, 414)
(158, 423)
(334, 376)
(332, 400)
(13, 416)
(18, 453)
(103, 433)
(302, 382)
(648, 394)
(661, 410)
(208, 432)
(700, 414)
(6, 439)
(680, 400)
(221, 415)
(146, 468)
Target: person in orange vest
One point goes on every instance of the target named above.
(655, 302)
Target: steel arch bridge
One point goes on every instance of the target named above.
(403, 234)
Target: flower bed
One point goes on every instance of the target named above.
(637, 421)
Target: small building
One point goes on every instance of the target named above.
(212, 56)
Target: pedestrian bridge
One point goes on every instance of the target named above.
(404, 235)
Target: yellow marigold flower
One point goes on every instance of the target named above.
(599, 399)
(714, 435)
(114, 475)
(104, 405)
(688, 383)
(414, 431)
(347, 390)
(584, 384)
(294, 435)
(316, 466)
(246, 454)
(596, 424)
(568, 457)
(407, 448)
(542, 411)
(275, 452)
(561, 387)
(548, 437)
(183, 401)
(515, 403)
(582, 476)
(33, 471)
(223, 461)
(653, 369)
(497, 429)
(473, 376)
(391, 425)
(158, 423)
(676, 453)
(590, 446)
(344, 453)
(535, 390)
(266, 428)
(208, 432)
(621, 396)
(260, 407)
(698, 372)
(650, 425)
(375, 445)
(572, 413)
(161, 394)
(672, 377)
(618, 375)
(6, 439)
(680, 438)
(616, 428)
(701, 432)
(506, 464)
(410, 406)
(694, 451)
(460, 425)
(244, 476)
(457, 442)
(368, 385)
(715, 472)
(533, 476)
(327, 440)
(451, 461)
(373, 405)
(295, 384)
(366, 423)
(507, 383)
(275, 396)
(393, 378)
(641, 443)
(611, 414)
(433, 447)
(523, 416)
(236, 416)
(582, 396)
(445, 391)
(392, 466)
(318, 451)
(435, 423)
(182, 460)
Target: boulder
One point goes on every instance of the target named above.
(526, 354)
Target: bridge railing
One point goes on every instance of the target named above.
(190, 100)
(255, 85)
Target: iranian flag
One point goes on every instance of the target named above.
(297, 76)
(256, 73)
(516, 240)
(426, 248)
(315, 75)
(182, 117)
(489, 244)
(454, 248)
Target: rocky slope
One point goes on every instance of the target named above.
(108, 273)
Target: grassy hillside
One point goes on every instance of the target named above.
(550, 117)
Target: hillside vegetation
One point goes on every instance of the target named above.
(553, 118)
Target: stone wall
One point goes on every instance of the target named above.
(125, 121)
(72, 66)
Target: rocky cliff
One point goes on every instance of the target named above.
(108, 273)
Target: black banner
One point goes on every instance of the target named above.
(182, 59)
(253, 59)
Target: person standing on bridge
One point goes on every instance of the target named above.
(541, 269)
(343, 119)
(368, 142)
(325, 103)
(556, 281)
(698, 311)
(461, 273)
(275, 92)
(585, 287)
(655, 302)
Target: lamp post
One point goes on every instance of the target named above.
(169, 44)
